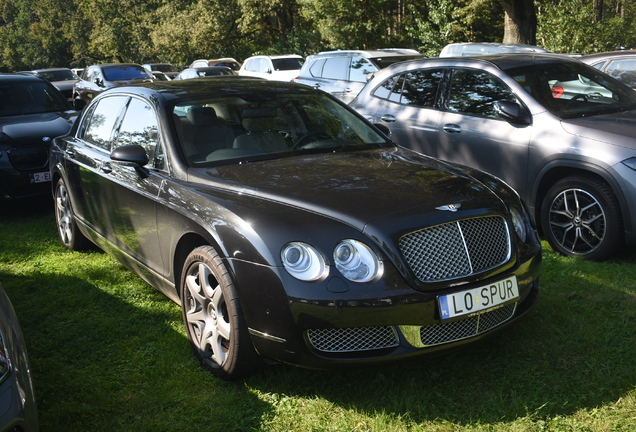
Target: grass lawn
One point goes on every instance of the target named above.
(109, 353)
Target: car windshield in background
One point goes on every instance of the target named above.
(269, 125)
(17, 98)
(58, 75)
(125, 73)
(285, 64)
(571, 91)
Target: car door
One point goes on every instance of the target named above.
(473, 134)
(407, 105)
(86, 156)
(132, 192)
(359, 70)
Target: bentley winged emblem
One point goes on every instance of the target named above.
(449, 207)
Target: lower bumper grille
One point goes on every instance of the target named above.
(464, 328)
(358, 339)
(353, 339)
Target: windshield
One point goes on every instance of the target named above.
(286, 64)
(266, 125)
(571, 90)
(58, 75)
(17, 98)
(126, 73)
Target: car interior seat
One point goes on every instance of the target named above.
(259, 134)
(208, 132)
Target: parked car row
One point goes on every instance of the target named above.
(560, 132)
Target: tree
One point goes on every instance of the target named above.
(520, 22)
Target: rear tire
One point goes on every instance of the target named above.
(67, 229)
(213, 317)
(580, 216)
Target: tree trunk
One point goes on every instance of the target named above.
(520, 22)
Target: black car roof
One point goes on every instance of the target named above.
(501, 61)
(222, 84)
(19, 77)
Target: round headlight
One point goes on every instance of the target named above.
(304, 262)
(519, 223)
(356, 261)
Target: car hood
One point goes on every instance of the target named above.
(30, 126)
(357, 187)
(617, 128)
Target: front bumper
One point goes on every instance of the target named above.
(314, 325)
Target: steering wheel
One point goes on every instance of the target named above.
(578, 96)
(301, 140)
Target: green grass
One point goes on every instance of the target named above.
(109, 353)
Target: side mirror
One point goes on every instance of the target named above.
(79, 104)
(132, 155)
(384, 129)
(513, 112)
(268, 70)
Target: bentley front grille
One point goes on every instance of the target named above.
(440, 333)
(457, 249)
(353, 339)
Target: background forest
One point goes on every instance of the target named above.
(77, 33)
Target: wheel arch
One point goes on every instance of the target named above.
(557, 170)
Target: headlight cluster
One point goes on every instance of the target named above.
(354, 260)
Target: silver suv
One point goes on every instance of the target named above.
(562, 133)
(344, 73)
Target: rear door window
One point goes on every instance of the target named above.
(102, 125)
(336, 68)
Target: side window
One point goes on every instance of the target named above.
(102, 125)
(360, 68)
(316, 68)
(420, 87)
(336, 68)
(623, 70)
(140, 127)
(475, 92)
(384, 90)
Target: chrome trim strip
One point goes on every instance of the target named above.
(266, 336)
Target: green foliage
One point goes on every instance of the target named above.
(570, 26)
(47, 33)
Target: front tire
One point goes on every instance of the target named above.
(70, 235)
(580, 216)
(213, 316)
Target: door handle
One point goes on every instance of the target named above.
(389, 118)
(452, 128)
(106, 168)
(347, 90)
(70, 153)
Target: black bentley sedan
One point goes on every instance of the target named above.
(288, 228)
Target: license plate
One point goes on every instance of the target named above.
(478, 299)
(40, 177)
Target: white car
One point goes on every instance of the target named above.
(277, 68)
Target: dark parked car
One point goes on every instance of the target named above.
(63, 79)
(288, 228)
(619, 64)
(98, 78)
(32, 113)
(344, 73)
(199, 72)
(170, 70)
(560, 132)
(18, 407)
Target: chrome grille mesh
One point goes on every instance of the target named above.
(440, 333)
(456, 249)
(353, 339)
